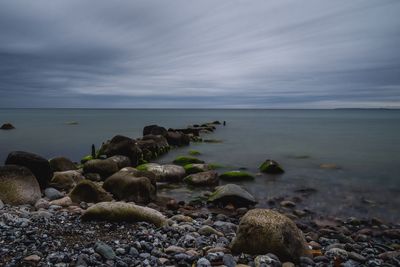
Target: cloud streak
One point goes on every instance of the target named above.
(221, 54)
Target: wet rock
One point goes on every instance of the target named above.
(268, 260)
(262, 231)
(232, 193)
(203, 262)
(124, 185)
(123, 212)
(208, 230)
(337, 253)
(154, 130)
(7, 126)
(66, 180)
(236, 176)
(52, 193)
(62, 202)
(122, 145)
(90, 192)
(122, 161)
(184, 160)
(271, 166)
(104, 168)
(61, 164)
(195, 168)
(42, 204)
(207, 178)
(164, 173)
(18, 185)
(38, 165)
(177, 139)
(104, 250)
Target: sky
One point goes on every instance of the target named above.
(200, 54)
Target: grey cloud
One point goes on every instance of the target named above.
(262, 54)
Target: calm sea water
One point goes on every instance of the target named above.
(365, 144)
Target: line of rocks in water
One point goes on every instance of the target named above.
(106, 212)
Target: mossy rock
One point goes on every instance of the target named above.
(232, 194)
(86, 158)
(123, 212)
(207, 178)
(90, 192)
(195, 168)
(194, 152)
(271, 167)
(263, 231)
(236, 176)
(214, 166)
(184, 160)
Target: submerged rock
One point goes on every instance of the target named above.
(38, 165)
(7, 126)
(18, 185)
(164, 173)
(271, 166)
(207, 178)
(61, 164)
(264, 231)
(66, 180)
(184, 160)
(232, 194)
(104, 167)
(90, 192)
(123, 212)
(196, 167)
(124, 185)
(236, 176)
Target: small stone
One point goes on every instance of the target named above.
(52, 193)
(267, 260)
(42, 204)
(288, 264)
(228, 260)
(32, 258)
(337, 253)
(63, 202)
(288, 204)
(120, 251)
(104, 250)
(208, 230)
(203, 262)
(174, 250)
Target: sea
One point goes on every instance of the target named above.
(361, 147)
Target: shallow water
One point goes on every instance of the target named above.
(364, 144)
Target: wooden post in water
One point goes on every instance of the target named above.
(93, 151)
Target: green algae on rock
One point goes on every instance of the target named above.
(271, 166)
(184, 160)
(193, 152)
(236, 176)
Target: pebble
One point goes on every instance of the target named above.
(52, 193)
(104, 250)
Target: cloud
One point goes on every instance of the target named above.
(221, 54)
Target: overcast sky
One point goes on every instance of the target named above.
(200, 54)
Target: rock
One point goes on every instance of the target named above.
(7, 126)
(122, 145)
(38, 165)
(287, 204)
(174, 250)
(164, 173)
(337, 253)
(1, 204)
(329, 166)
(154, 130)
(123, 212)
(271, 166)
(52, 193)
(184, 160)
(62, 202)
(104, 250)
(208, 230)
(207, 178)
(42, 204)
(124, 185)
(18, 185)
(195, 168)
(104, 168)
(122, 161)
(193, 152)
(269, 260)
(236, 176)
(34, 259)
(86, 159)
(203, 262)
(89, 192)
(232, 193)
(177, 139)
(153, 146)
(266, 231)
(66, 180)
(288, 264)
(61, 164)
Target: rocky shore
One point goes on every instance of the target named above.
(106, 211)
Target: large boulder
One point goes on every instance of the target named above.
(122, 161)
(153, 146)
(177, 139)
(124, 185)
(122, 145)
(207, 178)
(61, 164)
(104, 167)
(263, 231)
(232, 194)
(38, 165)
(18, 185)
(90, 192)
(123, 212)
(154, 130)
(66, 180)
(271, 166)
(164, 173)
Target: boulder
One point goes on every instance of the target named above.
(195, 168)
(232, 194)
(90, 192)
(207, 178)
(66, 180)
(122, 161)
(184, 160)
(126, 186)
(61, 164)
(153, 146)
(164, 173)
(52, 193)
(122, 145)
(236, 176)
(264, 231)
(104, 167)
(38, 165)
(271, 166)
(154, 130)
(7, 126)
(177, 139)
(123, 212)
(18, 186)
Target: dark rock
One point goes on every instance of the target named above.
(177, 139)
(38, 165)
(61, 164)
(122, 145)
(104, 250)
(122, 161)
(154, 130)
(52, 193)
(271, 167)
(232, 194)
(207, 178)
(66, 180)
(7, 126)
(87, 191)
(104, 167)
